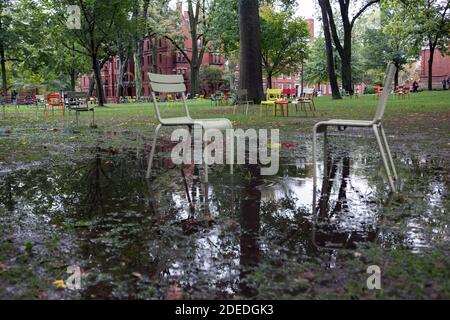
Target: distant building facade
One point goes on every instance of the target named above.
(441, 68)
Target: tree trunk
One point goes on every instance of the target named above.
(137, 56)
(329, 49)
(123, 61)
(91, 85)
(396, 76)
(72, 79)
(195, 82)
(154, 56)
(346, 63)
(98, 81)
(250, 74)
(195, 63)
(303, 79)
(269, 81)
(3, 67)
(2, 56)
(430, 68)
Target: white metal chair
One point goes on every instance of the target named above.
(376, 124)
(175, 84)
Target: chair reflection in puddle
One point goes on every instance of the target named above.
(195, 192)
(339, 220)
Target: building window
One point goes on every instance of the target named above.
(160, 57)
(148, 60)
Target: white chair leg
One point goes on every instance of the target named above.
(388, 150)
(314, 147)
(152, 153)
(205, 160)
(383, 156)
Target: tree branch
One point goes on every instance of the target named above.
(183, 52)
(361, 11)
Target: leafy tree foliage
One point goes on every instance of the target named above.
(284, 42)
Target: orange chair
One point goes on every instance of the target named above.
(54, 100)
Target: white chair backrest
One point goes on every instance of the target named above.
(387, 87)
(171, 83)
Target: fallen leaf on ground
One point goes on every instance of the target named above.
(174, 293)
(308, 275)
(59, 284)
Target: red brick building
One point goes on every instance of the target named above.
(441, 68)
(169, 60)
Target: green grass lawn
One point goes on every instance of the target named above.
(422, 116)
(422, 103)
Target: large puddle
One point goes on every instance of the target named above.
(240, 235)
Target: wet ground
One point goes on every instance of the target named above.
(239, 236)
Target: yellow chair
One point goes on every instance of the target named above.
(272, 96)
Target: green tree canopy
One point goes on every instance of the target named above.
(284, 42)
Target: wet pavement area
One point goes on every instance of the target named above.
(237, 236)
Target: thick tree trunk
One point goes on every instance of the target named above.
(430, 68)
(3, 67)
(329, 50)
(98, 81)
(250, 74)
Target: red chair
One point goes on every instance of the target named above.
(282, 103)
(54, 100)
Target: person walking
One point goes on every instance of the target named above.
(14, 97)
(444, 84)
(415, 86)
